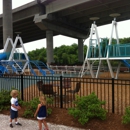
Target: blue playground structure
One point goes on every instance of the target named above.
(19, 63)
(102, 49)
(126, 63)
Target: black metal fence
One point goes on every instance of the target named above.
(116, 92)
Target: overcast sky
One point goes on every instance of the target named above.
(103, 31)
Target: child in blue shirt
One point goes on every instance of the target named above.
(41, 113)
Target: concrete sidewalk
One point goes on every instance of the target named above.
(29, 125)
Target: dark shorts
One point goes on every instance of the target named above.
(13, 114)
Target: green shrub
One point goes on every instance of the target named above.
(28, 113)
(5, 99)
(87, 107)
(49, 111)
(31, 107)
(49, 100)
(126, 117)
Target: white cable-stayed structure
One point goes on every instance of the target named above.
(16, 62)
(100, 49)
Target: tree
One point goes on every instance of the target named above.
(124, 40)
(68, 55)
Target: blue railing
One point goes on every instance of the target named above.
(119, 50)
(114, 50)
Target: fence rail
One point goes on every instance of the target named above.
(115, 92)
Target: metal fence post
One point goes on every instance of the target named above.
(112, 95)
(22, 86)
(61, 97)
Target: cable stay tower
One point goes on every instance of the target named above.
(100, 49)
(93, 43)
(18, 63)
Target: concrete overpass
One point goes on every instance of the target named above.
(69, 17)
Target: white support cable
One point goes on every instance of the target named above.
(110, 40)
(117, 38)
(25, 65)
(91, 33)
(81, 73)
(88, 62)
(23, 48)
(9, 40)
(98, 70)
(116, 32)
(87, 59)
(13, 49)
(100, 55)
(118, 69)
(98, 41)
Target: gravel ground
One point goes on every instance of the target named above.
(29, 125)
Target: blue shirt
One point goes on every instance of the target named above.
(42, 111)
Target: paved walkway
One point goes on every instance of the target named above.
(29, 125)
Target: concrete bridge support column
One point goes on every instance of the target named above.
(49, 39)
(80, 50)
(7, 22)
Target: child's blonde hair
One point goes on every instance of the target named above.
(13, 93)
(42, 99)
